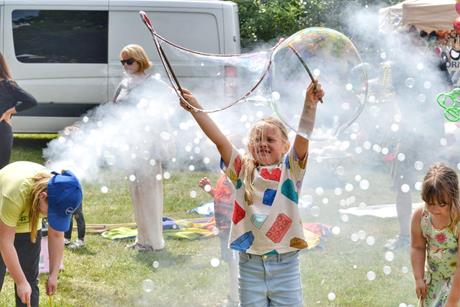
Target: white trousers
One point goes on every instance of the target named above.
(147, 198)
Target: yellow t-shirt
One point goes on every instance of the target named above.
(15, 194)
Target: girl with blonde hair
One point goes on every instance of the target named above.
(266, 227)
(28, 192)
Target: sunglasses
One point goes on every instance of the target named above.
(129, 61)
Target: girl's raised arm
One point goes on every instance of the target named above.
(208, 126)
(417, 254)
(307, 120)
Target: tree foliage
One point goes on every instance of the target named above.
(267, 20)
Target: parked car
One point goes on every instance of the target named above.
(66, 53)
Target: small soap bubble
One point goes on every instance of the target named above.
(85, 119)
(331, 296)
(344, 218)
(418, 165)
(192, 194)
(191, 168)
(335, 230)
(215, 262)
(348, 187)
(401, 156)
(340, 170)
(410, 82)
(389, 256)
(215, 231)
(358, 178)
(158, 177)
(319, 191)
(104, 189)
(166, 175)
(387, 270)
(364, 184)
(315, 211)
(132, 178)
(405, 188)
(427, 84)
(370, 240)
(443, 142)
(371, 275)
(155, 264)
(394, 127)
(338, 191)
(207, 188)
(361, 234)
(206, 160)
(147, 285)
(418, 186)
(421, 97)
(354, 237)
(405, 270)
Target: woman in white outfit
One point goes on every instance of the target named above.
(146, 190)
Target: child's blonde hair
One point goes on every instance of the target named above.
(39, 184)
(440, 185)
(249, 162)
(138, 54)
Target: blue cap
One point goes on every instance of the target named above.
(64, 197)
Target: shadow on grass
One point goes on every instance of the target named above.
(166, 258)
(84, 251)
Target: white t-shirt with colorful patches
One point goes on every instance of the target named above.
(272, 223)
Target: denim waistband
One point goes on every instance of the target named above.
(274, 257)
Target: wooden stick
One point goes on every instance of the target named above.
(312, 78)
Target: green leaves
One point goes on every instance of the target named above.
(269, 20)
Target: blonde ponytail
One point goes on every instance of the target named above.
(249, 165)
(39, 184)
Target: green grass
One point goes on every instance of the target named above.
(105, 274)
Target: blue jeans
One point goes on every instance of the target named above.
(270, 280)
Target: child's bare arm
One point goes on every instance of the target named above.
(208, 126)
(203, 183)
(417, 254)
(454, 296)
(307, 119)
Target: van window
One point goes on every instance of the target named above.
(58, 36)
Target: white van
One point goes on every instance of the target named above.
(66, 53)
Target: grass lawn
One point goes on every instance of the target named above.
(103, 273)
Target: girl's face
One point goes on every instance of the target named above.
(130, 65)
(267, 145)
(439, 208)
(43, 203)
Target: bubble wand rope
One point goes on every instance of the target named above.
(164, 59)
(156, 36)
(305, 66)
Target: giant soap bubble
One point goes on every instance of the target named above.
(276, 77)
(334, 61)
